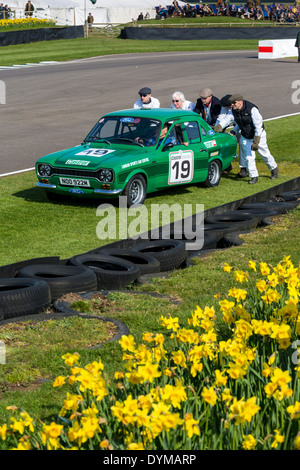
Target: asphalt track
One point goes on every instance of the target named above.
(53, 106)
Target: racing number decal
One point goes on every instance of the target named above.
(181, 167)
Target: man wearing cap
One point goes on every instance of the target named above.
(208, 106)
(146, 100)
(253, 136)
(226, 119)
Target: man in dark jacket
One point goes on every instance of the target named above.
(253, 136)
(208, 106)
(297, 44)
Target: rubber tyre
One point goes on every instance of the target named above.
(214, 174)
(146, 263)
(278, 207)
(242, 221)
(112, 273)
(20, 297)
(259, 212)
(135, 190)
(171, 254)
(290, 196)
(190, 241)
(62, 279)
(231, 239)
(218, 230)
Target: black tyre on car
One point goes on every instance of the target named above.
(135, 190)
(214, 174)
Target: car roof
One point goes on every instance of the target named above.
(153, 113)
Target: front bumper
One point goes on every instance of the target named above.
(102, 192)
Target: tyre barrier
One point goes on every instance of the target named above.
(19, 297)
(278, 207)
(61, 279)
(241, 220)
(111, 272)
(31, 286)
(147, 264)
(171, 254)
(289, 196)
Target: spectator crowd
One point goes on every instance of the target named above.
(4, 12)
(277, 12)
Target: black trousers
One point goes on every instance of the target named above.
(298, 54)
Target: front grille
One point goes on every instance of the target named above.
(80, 173)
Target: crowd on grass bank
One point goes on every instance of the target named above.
(277, 12)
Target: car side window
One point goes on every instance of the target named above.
(192, 132)
(203, 131)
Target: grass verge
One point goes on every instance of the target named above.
(26, 379)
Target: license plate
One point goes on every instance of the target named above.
(74, 182)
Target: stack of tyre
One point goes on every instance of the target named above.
(35, 287)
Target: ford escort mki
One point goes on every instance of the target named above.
(136, 152)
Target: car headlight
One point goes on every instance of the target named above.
(44, 170)
(106, 176)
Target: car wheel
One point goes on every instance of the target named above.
(20, 297)
(61, 279)
(214, 174)
(135, 190)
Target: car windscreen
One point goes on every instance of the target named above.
(125, 129)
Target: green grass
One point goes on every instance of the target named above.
(71, 49)
(26, 379)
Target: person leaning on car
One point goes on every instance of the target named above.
(253, 136)
(179, 102)
(146, 100)
(208, 106)
(226, 119)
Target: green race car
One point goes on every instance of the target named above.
(135, 152)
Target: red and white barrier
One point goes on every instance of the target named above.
(276, 48)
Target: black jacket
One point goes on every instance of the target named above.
(215, 109)
(243, 119)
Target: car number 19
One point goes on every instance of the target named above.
(181, 166)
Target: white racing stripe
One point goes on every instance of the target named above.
(30, 169)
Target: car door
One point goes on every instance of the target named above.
(195, 136)
(174, 160)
